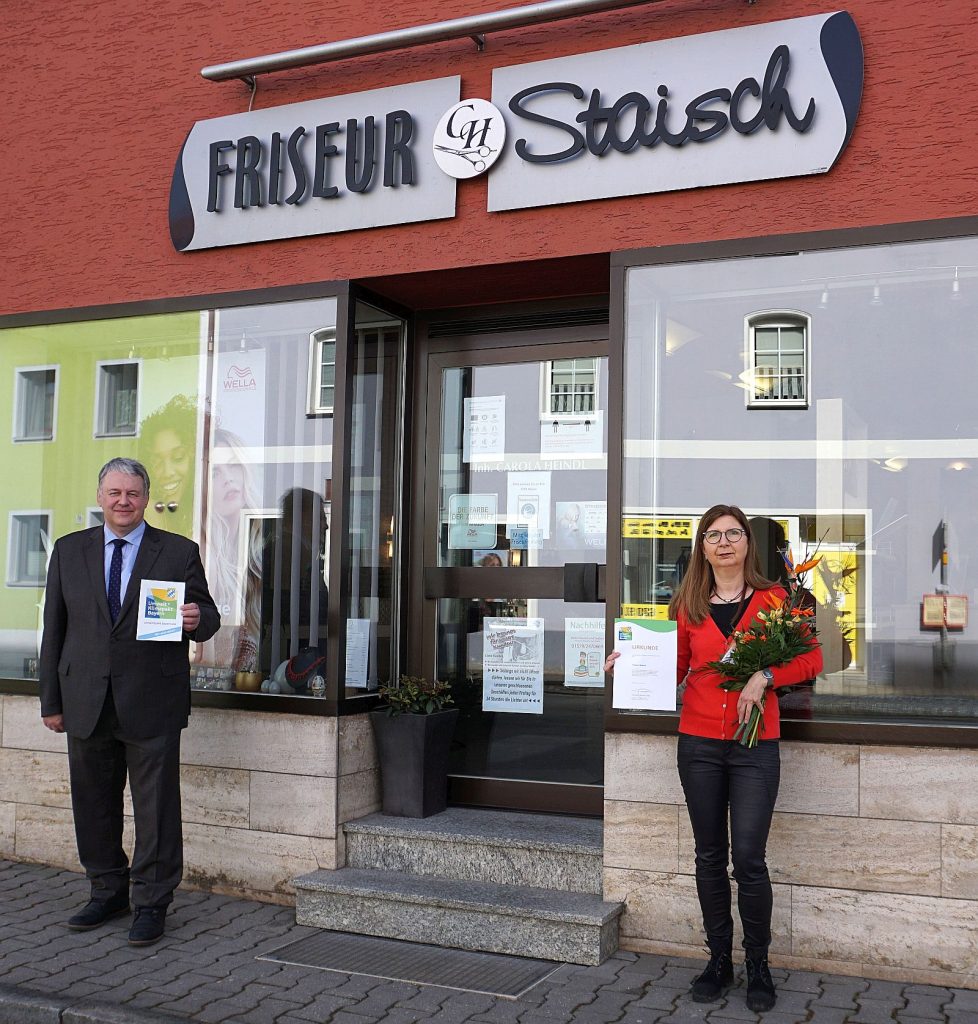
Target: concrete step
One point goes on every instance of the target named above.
(520, 920)
(537, 850)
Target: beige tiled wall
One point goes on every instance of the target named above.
(264, 795)
(873, 854)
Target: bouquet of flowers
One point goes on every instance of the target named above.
(777, 635)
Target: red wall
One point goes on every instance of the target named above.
(98, 98)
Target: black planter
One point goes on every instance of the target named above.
(413, 752)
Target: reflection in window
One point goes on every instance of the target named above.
(322, 372)
(572, 386)
(777, 347)
(34, 403)
(876, 474)
(264, 482)
(29, 543)
(370, 585)
(116, 394)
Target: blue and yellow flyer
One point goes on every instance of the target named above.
(160, 617)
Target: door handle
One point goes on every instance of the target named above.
(581, 582)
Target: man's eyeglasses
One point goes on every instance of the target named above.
(713, 536)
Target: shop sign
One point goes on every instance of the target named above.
(749, 104)
(318, 167)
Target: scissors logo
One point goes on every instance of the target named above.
(469, 138)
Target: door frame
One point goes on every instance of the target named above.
(530, 334)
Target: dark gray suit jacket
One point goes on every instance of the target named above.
(82, 650)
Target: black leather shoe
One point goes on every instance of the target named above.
(147, 926)
(97, 912)
(714, 981)
(760, 987)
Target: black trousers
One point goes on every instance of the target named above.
(721, 776)
(98, 767)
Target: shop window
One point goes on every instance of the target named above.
(116, 398)
(777, 359)
(885, 499)
(206, 401)
(35, 403)
(27, 552)
(322, 372)
(570, 387)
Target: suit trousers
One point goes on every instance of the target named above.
(721, 776)
(98, 768)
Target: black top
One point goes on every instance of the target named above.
(728, 614)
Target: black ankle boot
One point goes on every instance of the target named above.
(715, 980)
(760, 988)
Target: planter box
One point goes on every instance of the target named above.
(413, 752)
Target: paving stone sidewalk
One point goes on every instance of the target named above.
(205, 969)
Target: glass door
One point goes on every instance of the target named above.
(514, 556)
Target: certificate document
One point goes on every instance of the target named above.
(160, 617)
(645, 674)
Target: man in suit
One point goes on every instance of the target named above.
(123, 702)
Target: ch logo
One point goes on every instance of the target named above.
(469, 138)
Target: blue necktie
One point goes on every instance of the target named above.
(115, 580)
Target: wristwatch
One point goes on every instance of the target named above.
(769, 676)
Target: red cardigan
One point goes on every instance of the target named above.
(712, 712)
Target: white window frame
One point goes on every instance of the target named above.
(97, 428)
(546, 380)
(13, 536)
(94, 516)
(18, 371)
(794, 318)
(317, 340)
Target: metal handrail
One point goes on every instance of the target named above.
(474, 26)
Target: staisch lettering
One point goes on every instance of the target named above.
(634, 120)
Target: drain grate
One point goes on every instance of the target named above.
(395, 960)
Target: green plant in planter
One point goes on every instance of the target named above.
(415, 695)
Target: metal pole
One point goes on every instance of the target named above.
(475, 26)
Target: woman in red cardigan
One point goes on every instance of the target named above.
(723, 590)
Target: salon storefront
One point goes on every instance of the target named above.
(441, 350)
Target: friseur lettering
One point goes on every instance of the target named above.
(260, 167)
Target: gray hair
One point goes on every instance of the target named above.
(128, 466)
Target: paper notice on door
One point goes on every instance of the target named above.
(159, 616)
(584, 652)
(357, 652)
(528, 503)
(579, 435)
(645, 674)
(512, 665)
(484, 428)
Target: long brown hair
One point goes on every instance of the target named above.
(693, 596)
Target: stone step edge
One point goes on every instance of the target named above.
(508, 900)
(509, 841)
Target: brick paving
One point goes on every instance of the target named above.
(206, 970)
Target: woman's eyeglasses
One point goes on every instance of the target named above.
(713, 536)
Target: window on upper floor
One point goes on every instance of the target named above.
(322, 372)
(570, 387)
(30, 534)
(117, 398)
(35, 402)
(777, 346)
